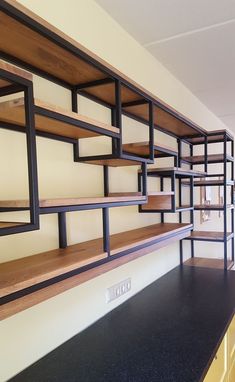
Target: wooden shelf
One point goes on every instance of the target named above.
(28, 271)
(212, 158)
(62, 202)
(13, 112)
(209, 182)
(212, 137)
(13, 70)
(112, 162)
(207, 263)
(163, 120)
(209, 236)
(158, 201)
(10, 224)
(19, 274)
(215, 207)
(64, 60)
(142, 149)
(177, 170)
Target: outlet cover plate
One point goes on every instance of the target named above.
(118, 290)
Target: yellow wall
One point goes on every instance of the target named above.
(31, 334)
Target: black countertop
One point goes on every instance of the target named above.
(169, 332)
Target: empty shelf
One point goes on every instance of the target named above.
(10, 224)
(13, 70)
(142, 149)
(212, 137)
(19, 274)
(112, 162)
(48, 119)
(209, 236)
(209, 182)
(62, 202)
(159, 201)
(208, 263)
(215, 207)
(212, 158)
(177, 170)
(22, 273)
(26, 43)
(144, 236)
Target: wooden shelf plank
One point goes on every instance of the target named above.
(29, 300)
(115, 162)
(15, 70)
(28, 271)
(13, 112)
(213, 136)
(10, 224)
(44, 203)
(209, 182)
(216, 207)
(158, 202)
(207, 263)
(212, 158)
(22, 273)
(209, 235)
(163, 120)
(177, 170)
(28, 45)
(130, 239)
(142, 149)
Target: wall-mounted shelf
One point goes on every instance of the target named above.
(212, 207)
(55, 120)
(35, 45)
(209, 236)
(208, 263)
(211, 158)
(68, 204)
(24, 273)
(142, 149)
(209, 182)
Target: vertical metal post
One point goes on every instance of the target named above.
(191, 201)
(106, 236)
(162, 188)
(105, 212)
(118, 114)
(106, 180)
(232, 199)
(151, 131)
(62, 229)
(74, 101)
(31, 156)
(180, 197)
(144, 178)
(114, 140)
(225, 201)
(206, 154)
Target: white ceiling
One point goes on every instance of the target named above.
(194, 39)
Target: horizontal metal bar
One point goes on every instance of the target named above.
(10, 89)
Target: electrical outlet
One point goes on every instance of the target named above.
(118, 290)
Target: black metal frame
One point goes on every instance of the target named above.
(226, 137)
(21, 84)
(117, 110)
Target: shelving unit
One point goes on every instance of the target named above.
(227, 207)
(34, 45)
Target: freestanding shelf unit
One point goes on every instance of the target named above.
(35, 46)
